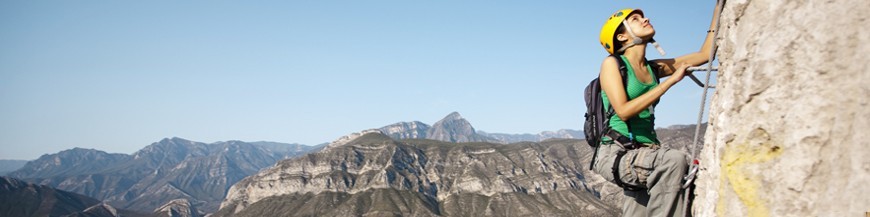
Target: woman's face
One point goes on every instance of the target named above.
(639, 25)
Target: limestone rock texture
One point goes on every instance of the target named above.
(787, 131)
(375, 175)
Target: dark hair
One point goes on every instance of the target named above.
(616, 43)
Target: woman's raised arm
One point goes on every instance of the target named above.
(666, 67)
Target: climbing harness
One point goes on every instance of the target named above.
(694, 164)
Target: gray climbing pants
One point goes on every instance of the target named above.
(658, 171)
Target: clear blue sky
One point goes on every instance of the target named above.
(119, 75)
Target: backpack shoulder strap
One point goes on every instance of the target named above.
(623, 72)
(655, 70)
(655, 74)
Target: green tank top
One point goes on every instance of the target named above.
(642, 126)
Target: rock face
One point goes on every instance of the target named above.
(787, 121)
(371, 174)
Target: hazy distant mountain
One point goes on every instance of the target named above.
(289, 150)
(18, 198)
(163, 171)
(7, 166)
(86, 161)
(512, 138)
(454, 128)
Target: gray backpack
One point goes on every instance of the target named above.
(596, 116)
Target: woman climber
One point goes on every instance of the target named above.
(629, 154)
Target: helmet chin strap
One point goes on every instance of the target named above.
(637, 40)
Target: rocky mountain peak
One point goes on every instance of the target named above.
(176, 148)
(454, 128)
(452, 119)
(453, 116)
(72, 161)
(78, 153)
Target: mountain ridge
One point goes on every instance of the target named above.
(359, 169)
(176, 168)
(455, 128)
(172, 168)
(428, 176)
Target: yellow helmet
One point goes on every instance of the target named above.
(609, 28)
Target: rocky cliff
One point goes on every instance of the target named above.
(370, 173)
(786, 122)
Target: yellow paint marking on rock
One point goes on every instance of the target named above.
(737, 158)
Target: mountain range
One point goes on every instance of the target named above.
(19, 198)
(455, 128)
(172, 168)
(435, 164)
(375, 175)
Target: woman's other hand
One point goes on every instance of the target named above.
(678, 74)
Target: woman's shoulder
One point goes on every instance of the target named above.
(611, 61)
(611, 58)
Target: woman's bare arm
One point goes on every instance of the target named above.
(666, 67)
